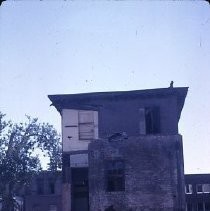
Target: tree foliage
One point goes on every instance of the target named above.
(18, 158)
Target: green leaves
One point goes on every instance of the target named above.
(18, 145)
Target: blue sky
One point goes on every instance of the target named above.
(60, 47)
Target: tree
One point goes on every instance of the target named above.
(18, 158)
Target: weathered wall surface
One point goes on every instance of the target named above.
(195, 198)
(49, 197)
(123, 115)
(118, 115)
(154, 176)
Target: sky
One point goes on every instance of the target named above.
(66, 47)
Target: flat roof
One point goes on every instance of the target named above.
(61, 101)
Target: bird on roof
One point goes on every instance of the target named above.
(172, 84)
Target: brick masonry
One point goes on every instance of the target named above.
(154, 177)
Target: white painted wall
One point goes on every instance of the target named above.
(70, 130)
(79, 160)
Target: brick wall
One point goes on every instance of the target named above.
(154, 177)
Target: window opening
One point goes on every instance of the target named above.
(149, 120)
(115, 176)
(152, 120)
(40, 186)
(188, 189)
(52, 187)
(199, 188)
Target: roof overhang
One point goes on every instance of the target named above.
(62, 101)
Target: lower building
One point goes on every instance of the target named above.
(112, 170)
(44, 192)
(197, 189)
(18, 201)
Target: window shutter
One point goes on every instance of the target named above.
(86, 125)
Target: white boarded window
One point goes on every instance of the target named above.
(86, 125)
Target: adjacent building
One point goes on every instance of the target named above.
(44, 192)
(122, 150)
(197, 189)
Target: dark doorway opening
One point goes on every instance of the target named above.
(80, 196)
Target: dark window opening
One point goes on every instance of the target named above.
(199, 188)
(188, 189)
(80, 182)
(115, 176)
(40, 186)
(152, 120)
(80, 191)
(51, 187)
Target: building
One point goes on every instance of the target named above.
(136, 125)
(18, 202)
(197, 189)
(137, 173)
(44, 192)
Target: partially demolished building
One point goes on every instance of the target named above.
(122, 150)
